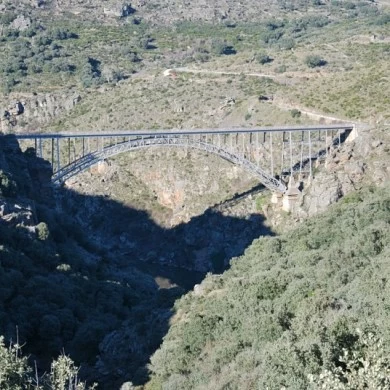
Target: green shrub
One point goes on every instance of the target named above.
(313, 61)
(263, 58)
(61, 34)
(288, 308)
(271, 37)
(281, 69)
(14, 370)
(248, 116)
(286, 44)
(42, 231)
(15, 374)
(295, 113)
(7, 17)
(90, 73)
(382, 19)
(221, 47)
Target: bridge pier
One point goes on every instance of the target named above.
(291, 196)
(287, 200)
(352, 135)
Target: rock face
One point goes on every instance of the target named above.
(35, 174)
(161, 12)
(99, 10)
(325, 190)
(362, 162)
(182, 182)
(20, 213)
(365, 161)
(35, 110)
(21, 23)
(23, 180)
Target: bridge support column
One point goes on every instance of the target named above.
(291, 196)
(352, 135)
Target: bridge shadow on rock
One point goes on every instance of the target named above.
(97, 279)
(176, 258)
(205, 244)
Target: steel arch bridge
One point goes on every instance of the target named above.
(263, 152)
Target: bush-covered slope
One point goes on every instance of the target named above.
(60, 59)
(286, 308)
(59, 290)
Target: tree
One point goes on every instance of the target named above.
(63, 375)
(7, 84)
(13, 368)
(8, 186)
(15, 373)
(220, 47)
(90, 73)
(263, 58)
(111, 74)
(42, 231)
(295, 113)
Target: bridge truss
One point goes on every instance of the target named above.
(270, 154)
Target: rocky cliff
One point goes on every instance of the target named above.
(31, 111)
(361, 162)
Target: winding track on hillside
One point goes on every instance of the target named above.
(278, 103)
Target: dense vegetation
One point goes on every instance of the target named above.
(47, 51)
(66, 50)
(16, 374)
(58, 290)
(288, 307)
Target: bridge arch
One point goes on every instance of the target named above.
(94, 158)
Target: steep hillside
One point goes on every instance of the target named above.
(287, 307)
(357, 164)
(78, 65)
(62, 291)
(76, 276)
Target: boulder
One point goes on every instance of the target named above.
(21, 23)
(119, 11)
(17, 214)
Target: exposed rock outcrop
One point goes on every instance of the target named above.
(18, 213)
(364, 161)
(21, 23)
(35, 110)
(119, 10)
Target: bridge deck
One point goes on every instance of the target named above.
(162, 132)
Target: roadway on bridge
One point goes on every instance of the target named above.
(148, 133)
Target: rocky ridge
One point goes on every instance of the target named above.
(32, 111)
(363, 162)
